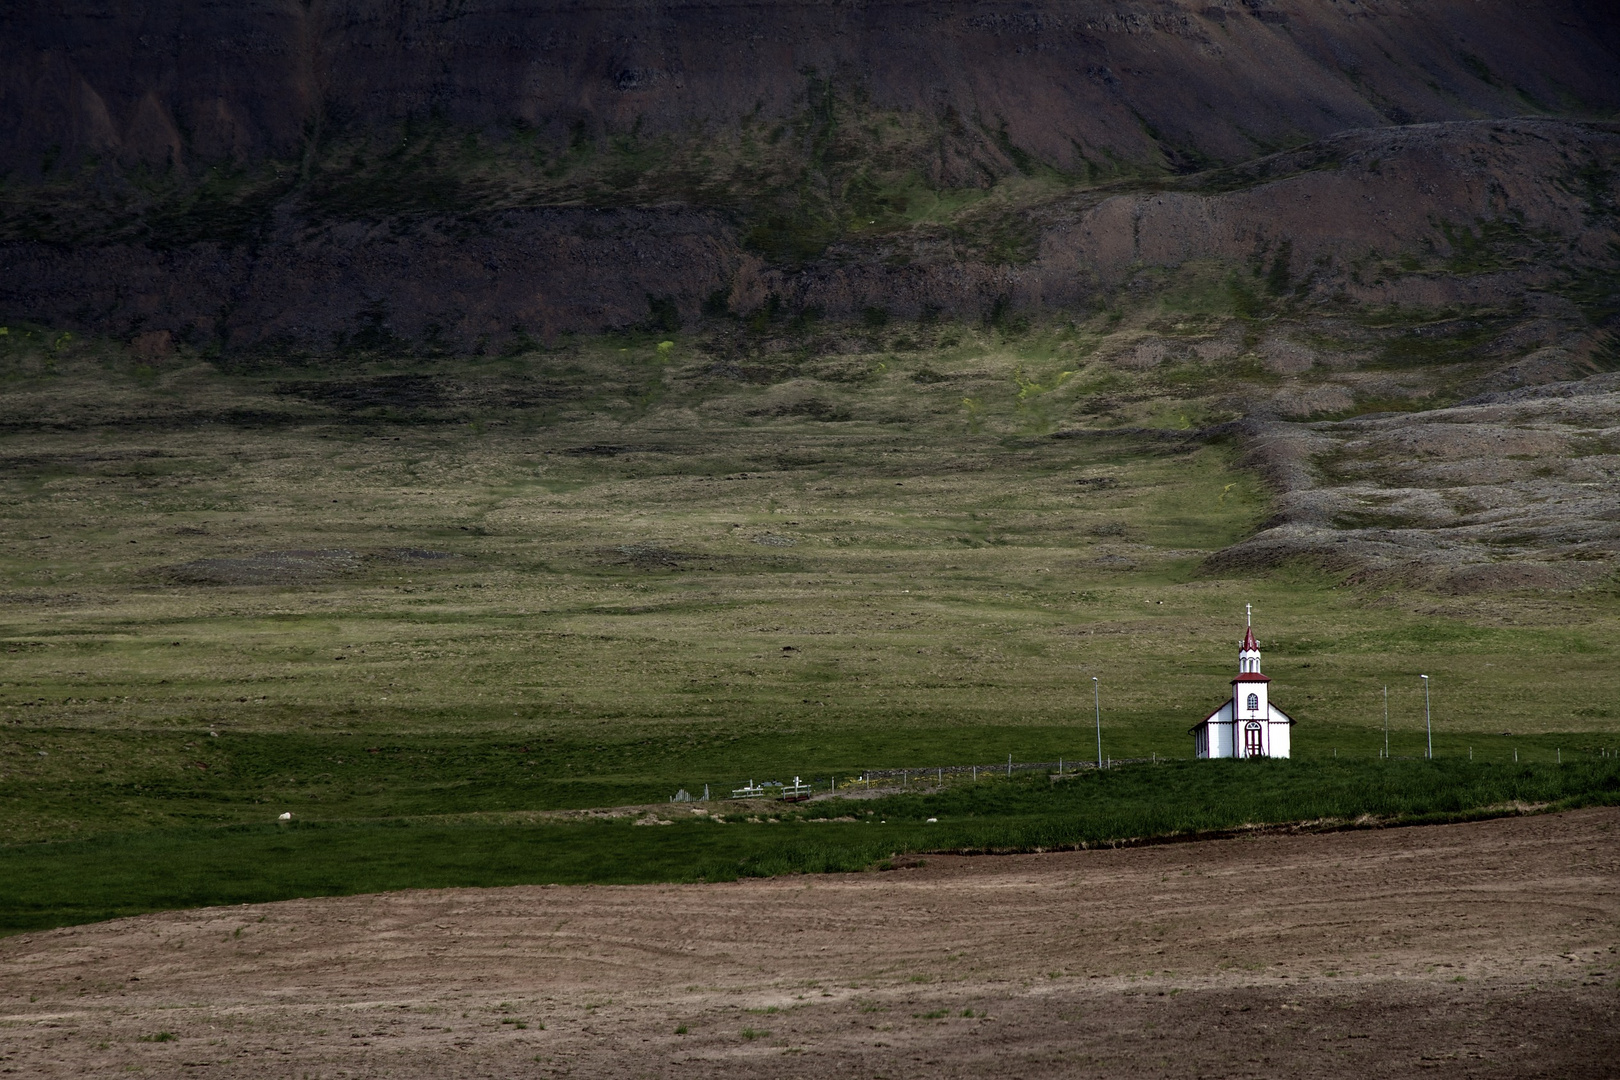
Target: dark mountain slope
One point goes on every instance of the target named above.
(1428, 216)
(1149, 81)
(448, 176)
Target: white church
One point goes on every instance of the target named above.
(1248, 725)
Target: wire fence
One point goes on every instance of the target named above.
(1004, 768)
(873, 779)
(904, 777)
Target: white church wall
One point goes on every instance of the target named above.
(1281, 734)
(1262, 704)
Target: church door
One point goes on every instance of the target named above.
(1252, 744)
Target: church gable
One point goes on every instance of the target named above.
(1222, 715)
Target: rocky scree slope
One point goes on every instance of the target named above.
(1516, 490)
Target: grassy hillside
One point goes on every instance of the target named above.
(440, 594)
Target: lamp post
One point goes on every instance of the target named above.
(1096, 697)
(1427, 724)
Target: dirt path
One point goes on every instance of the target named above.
(1475, 950)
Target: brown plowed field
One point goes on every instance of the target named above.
(1471, 950)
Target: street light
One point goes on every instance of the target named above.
(1096, 696)
(1426, 722)
(1386, 721)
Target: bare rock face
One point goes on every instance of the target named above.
(438, 283)
(1365, 196)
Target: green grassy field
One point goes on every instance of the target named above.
(383, 593)
(123, 874)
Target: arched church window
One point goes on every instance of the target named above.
(1254, 702)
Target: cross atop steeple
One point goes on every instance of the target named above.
(1248, 611)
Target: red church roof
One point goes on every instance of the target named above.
(1252, 676)
(1249, 644)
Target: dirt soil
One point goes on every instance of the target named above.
(1476, 950)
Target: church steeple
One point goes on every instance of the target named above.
(1249, 654)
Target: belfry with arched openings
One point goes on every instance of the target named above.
(1247, 725)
